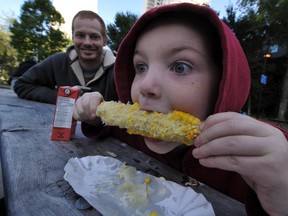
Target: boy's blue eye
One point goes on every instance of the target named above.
(140, 68)
(181, 67)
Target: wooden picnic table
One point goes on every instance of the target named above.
(33, 164)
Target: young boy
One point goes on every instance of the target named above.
(183, 57)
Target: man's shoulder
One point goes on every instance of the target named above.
(57, 58)
(59, 55)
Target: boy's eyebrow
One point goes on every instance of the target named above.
(186, 47)
(176, 49)
(136, 52)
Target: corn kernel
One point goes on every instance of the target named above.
(153, 213)
(147, 180)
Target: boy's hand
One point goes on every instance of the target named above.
(86, 106)
(256, 150)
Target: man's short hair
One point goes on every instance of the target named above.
(86, 14)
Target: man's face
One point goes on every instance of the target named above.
(88, 40)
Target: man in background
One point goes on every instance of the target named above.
(86, 64)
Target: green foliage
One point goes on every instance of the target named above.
(8, 61)
(260, 25)
(117, 31)
(37, 33)
(249, 31)
(273, 13)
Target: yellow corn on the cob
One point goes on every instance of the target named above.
(174, 126)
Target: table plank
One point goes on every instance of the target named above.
(33, 164)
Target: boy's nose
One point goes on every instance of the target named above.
(149, 86)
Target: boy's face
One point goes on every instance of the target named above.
(88, 39)
(174, 70)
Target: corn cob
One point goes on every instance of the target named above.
(174, 126)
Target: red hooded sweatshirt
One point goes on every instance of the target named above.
(233, 92)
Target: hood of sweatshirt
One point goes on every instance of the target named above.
(235, 83)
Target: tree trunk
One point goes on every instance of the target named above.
(284, 99)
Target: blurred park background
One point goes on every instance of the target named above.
(260, 26)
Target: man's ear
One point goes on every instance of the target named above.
(105, 41)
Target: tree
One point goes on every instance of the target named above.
(249, 32)
(8, 60)
(273, 13)
(117, 31)
(37, 33)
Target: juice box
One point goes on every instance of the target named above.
(64, 125)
